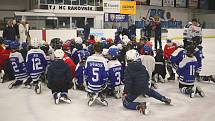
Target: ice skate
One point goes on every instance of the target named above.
(192, 91)
(102, 100)
(172, 77)
(1, 76)
(14, 84)
(166, 100)
(212, 78)
(37, 88)
(143, 108)
(92, 98)
(57, 97)
(117, 92)
(74, 81)
(65, 98)
(199, 91)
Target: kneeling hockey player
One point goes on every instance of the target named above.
(59, 78)
(137, 83)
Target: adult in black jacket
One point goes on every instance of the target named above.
(9, 33)
(59, 78)
(137, 83)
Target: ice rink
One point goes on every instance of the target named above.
(24, 105)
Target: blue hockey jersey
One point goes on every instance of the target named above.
(199, 56)
(18, 65)
(96, 72)
(36, 63)
(187, 70)
(79, 74)
(177, 57)
(115, 73)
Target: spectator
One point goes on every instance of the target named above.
(22, 32)
(9, 33)
(16, 27)
(86, 31)
(158, 33)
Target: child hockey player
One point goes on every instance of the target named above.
(169, 48)
(96, 76)
(159, 73)
(115, 74)
(137, 83)
(36, 64)
(79, 80)
(187, 74)
(18, 65)
(59, 78)
(149, 62)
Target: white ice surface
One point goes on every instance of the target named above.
(24, 105)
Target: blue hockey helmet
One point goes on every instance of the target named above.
(113, 52)
(147, 49)
(84, 54)
(7, 43)
(14, 45)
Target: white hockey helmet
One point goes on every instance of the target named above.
(59, 54)
(105, 52)
(179, 44)
(78, 40)
(120, 46)
(126, 41)
(35, 42)
(113, 46)
(124, 37)
(132, 55)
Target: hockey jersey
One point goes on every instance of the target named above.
(36, 63)
(192, 31)
(96, 72)
(115, 73)
(79, 74)
(177, 57)
(149, 62)
(18, 66)
(168, 50)
(71, 64)
(199, 56)
(187, 70)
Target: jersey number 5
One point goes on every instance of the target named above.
(95, 74)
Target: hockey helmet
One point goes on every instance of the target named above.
(190, 49)
(78, 40)
(14, 45)
(7, 43)
(109, 40)
(59, 54)
(56, 43)
(147, 49)
(132, 55)
(105, 52)
(84, 54)
(35, 43)
(113, 52)
(180, 44)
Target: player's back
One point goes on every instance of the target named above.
(18, 65)
(96, 72)
(178, 56)
(115, 72)
(149, 62)
(36, 62)
(187, 70)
